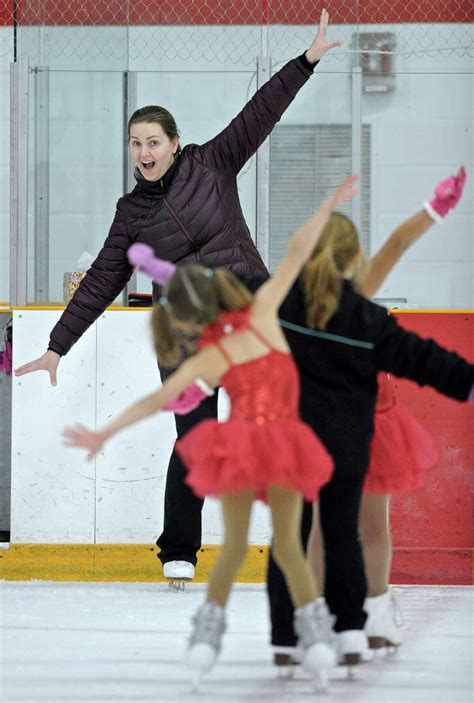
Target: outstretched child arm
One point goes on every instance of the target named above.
(79, 436)
(272, 293)
(447, 195)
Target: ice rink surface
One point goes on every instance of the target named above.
(125, 642)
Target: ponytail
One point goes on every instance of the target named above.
(322, 275)
(322, 289)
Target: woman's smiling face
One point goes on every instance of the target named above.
(151, 149)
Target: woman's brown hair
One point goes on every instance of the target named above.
(322, 276)
(195, 295)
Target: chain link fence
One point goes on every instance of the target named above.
(231, 32)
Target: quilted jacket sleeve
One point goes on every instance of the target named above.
(231, 148)
(105, 279)
(407, 355)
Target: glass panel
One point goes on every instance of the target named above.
(310, 151)
(85, 156)
(422, 131)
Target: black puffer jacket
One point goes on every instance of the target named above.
(338, 370)
(193, 215)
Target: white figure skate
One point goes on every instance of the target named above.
(352, 649)
(313, 625)
(178, 573)
(383, 622)
(205, 641)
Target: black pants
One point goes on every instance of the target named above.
(345, 586)
(181, 536)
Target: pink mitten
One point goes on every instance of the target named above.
(447, 195)
(190, 398)
(143, 256)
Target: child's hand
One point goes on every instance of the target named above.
(80, 436)
(344, 191)
(447, 195)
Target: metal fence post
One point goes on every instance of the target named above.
(19, 77)
(129, 106)
(356, 84)
(41, 75)
(263, 173)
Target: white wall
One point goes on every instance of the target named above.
(56, 495)
(420, 132)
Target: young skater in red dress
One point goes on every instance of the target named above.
(263, 451)
(401, 449)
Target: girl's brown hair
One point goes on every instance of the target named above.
(156, 114)
(195, 295)
(322, 275)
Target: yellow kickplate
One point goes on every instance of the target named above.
(111, 562)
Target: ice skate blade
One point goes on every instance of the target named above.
(321, 681)
(286, 673)
(178, 584)
(196, 684)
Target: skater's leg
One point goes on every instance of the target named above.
(209, 621)
(382, 624)
(181, 536)
(315, 549)
(345, 574)
(286, 507)
(236, 510)
(376, 541)
(281, 607)
(312, 621)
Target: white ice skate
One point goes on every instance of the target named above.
(352, 649)
(383, 622)
(205, 641)
(178, 573)
(313, 625)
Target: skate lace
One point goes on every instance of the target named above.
(396, 610)
(209, 626)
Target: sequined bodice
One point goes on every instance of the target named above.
(265, 389)
(386, 395)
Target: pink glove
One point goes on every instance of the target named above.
(447, 195)
(143, 256)
(190, 398)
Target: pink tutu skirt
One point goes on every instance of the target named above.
(401, 452)
(229, 457)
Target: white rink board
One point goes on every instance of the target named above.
(56, 495)
(52, 487)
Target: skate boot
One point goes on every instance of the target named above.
(178, 573)
(352, 649)
(205, 641)
(383, 621)
(313, 625)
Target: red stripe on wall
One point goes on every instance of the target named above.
(231, 12)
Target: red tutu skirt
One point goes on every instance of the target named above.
(229, 457)
(401, 452)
